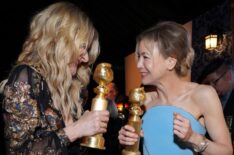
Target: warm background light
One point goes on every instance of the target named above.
(211, 41)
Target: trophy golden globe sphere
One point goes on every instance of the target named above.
(103, 75)
(137, 95)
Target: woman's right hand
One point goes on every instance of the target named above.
(90, 123)
(127, 135)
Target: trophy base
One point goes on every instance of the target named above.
(127, 152)
(96, 142)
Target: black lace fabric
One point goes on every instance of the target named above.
(32, 124)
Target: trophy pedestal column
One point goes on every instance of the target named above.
(136, 97)
(103, 75)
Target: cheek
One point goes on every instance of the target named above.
(148, 65)
(157, 70)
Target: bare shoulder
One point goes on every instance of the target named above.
(204, 90)
(205, 95)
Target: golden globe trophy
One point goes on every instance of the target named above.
(103, 75)
(136, 98)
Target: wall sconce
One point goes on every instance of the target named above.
(211, 41)
(214, 43)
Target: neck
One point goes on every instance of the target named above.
(171, 88)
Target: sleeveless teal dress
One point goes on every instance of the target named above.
(158, 132)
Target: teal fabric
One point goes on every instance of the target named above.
(158, 132)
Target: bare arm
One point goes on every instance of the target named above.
(210, 108)
(215, 123)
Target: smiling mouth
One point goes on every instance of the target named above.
(143, 74)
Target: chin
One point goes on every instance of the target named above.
(147, 82)
(144, 82)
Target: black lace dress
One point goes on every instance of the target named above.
(32, 124)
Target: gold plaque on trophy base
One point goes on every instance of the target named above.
(96, 142)
(126, 152)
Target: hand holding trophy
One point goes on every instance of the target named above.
(103, 75)
(136, 98)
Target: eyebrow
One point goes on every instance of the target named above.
(143, 53)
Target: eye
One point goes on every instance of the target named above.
(145, 57)
(83, 46)
(138, 55)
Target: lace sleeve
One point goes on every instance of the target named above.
(32, 125)
(21, 114)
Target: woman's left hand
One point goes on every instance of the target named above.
(182, 127)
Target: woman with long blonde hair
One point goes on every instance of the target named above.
(42, 105)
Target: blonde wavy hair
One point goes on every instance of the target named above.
(172, 40)
(57, 34)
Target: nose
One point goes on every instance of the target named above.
(139, 62)
(84, 57)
